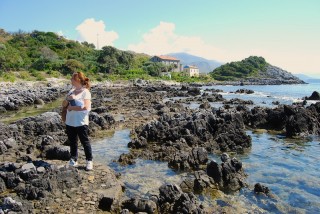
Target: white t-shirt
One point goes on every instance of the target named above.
(79, 118)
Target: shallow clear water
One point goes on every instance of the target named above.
(290, 168)
(144, 177)
(29, 111)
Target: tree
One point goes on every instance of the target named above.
(71, 66)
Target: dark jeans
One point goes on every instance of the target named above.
(73, 134)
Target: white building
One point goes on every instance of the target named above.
(168, 60)
(191, 70)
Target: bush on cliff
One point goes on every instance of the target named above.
(249, 67)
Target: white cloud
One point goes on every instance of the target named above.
(163, 40)
(95, 32)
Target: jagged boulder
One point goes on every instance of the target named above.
(173, 200)
(314, 96)
(228, 175)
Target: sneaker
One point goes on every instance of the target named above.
(89, 165)
(73, 163)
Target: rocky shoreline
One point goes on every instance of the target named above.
(34, 177)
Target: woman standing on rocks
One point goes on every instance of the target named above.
(78, 103)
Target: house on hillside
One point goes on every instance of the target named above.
(191, 70)
(168, 60)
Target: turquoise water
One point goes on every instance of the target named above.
(289, 167)
(264, 95)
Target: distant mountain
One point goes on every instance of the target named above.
(307, 79)
(204, 65)
(254, 69)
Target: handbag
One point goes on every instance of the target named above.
(64, 112)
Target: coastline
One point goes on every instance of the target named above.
(140, 105)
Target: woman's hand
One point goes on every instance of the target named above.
(71, 97)
(65, 103)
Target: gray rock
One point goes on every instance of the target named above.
(38, 101)
(2, 185)
(41, 169)
(3, 148)
(57, 152)
(10, 143)
(28, 166)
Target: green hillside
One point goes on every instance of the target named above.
(39, 54)
(249, 67)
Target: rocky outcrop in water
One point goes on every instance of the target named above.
(294, 120)
(227, 176)
(184, 139)
(314, 96)
(173, 200)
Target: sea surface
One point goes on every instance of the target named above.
(289, 167)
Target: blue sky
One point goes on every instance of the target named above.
(285, 32)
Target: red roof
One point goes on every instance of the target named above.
(168, 58)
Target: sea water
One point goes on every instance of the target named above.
(289, 167)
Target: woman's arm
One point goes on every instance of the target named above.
(86, 106)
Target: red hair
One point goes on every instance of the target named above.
(80, 77)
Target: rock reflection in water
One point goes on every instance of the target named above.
(144, 177)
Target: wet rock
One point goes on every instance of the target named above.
(139, 143)
(314, 96)
(229, 175)
(194, 91)
(215, 98)
(214, 170)
(187, 203)
(202, 181)
(126, 159)
(301, 121)
(169, 193)
(244, 91)
(205, 105)
(136, 205)
(230, 138)
(259, 188)
(173, 200)
(191, 160)
(235, 101)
